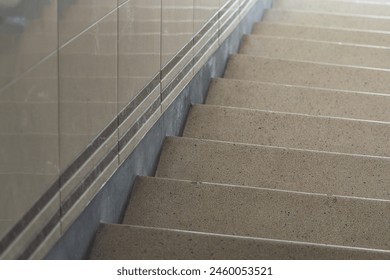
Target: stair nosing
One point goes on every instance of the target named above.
(312, 62)
(282, 148)
(248, 37)
(304, 87)
(287, 242)
(259, 23)
(291, 113)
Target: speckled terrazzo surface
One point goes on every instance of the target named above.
(259, 213)
(315, 51)
(288, 130)
(274, 167)
(327, 20)
(325, 34)
(290, 156)
(118, 242)
(296, 99)
(293, 72)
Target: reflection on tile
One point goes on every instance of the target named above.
(204, 10)
(28, 33)
(74, 16)
(177, 27)
(88, 94)
(139, 47)
(29, 162)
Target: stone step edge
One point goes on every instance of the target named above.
(287, 113)
(259, 23)
(237, 56)
(247, 37)
(177, 138)
(328, 13)
(298, 86)
(287, 242)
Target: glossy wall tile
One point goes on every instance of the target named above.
(75, 16)
(88, 87)
(139, 47)
(177, 27)
(28, 33)
(81, 83)
(29, 161)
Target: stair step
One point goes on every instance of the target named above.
(315, 51)
(252, 68)
(124, 242)
(275, 167)
(295, 99)
(327, 20)
(288, 130)
(262, 213)
(322, 34)
(338, 7)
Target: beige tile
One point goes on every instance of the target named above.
(76, 16)
(339, 7)
(315, 51)
(204, 10)
(29, 162)
(139, 49)
(177, 27)
(28, 34)
(88, 87)
(322, 34)
(32, 230)
(327, 20)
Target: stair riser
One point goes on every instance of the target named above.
(327, 20)
(251, 165)
(312, 51)
(119, 242)
(260, 213)
(304, 100)
(322, 34)
(286, 130)
(252, 68)
(339, 7)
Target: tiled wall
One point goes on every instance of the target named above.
(81, 82)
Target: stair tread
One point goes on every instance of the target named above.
(296, 99)
(263, 213)
(315, 51)
(120, 242)
(340, 7)
(327, 20)
(255, 68)
(322, 33)
(288, 130)
(275, 167)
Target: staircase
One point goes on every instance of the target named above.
(290, 156)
